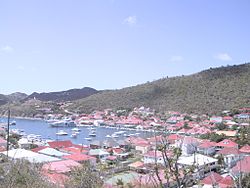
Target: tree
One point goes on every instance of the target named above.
(84, 177)
(245, 182)
(172, 171)
(22, 174)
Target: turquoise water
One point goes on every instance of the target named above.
(40, 127)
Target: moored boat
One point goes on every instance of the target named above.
(61, 133)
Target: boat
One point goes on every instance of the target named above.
(73, 135)
(13, 123)
(76, 129)
(92, 133)
(108, 136)
(119, 132)
(61, 133)
(87, 138)
(114, 136)
(57, 124)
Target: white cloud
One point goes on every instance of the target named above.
(176, 58)
(223, 57)
(6, 49)
(131, 20)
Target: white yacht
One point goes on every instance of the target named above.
(61, 133)
(88, 139)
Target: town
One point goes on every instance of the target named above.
(179, 149)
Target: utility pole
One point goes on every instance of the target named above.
(8, 133)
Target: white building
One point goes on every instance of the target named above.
(203, 164)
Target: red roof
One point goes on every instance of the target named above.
(79, 157)
(2, 141)
(39, 148)
(174, 137)
(2, 148)
(245, 149)
(229, 151)
(227, 143)
(74, 150)
(226, 182)
(153, 154)
(60, 144)
(136, 140)
(243, 165)
(207, 144)
(60, 166)
(212, 178)
(111, 158)
(215, 178)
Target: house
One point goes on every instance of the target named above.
(73, 149)
(99, 153)
(31, 156)
(201, 162)
(81, 158)
(24, 143)
(188, 145)
(52, 152)
(136, 165)
(96, 144)
(206, 148)
(153, 157)
(60, 144)
(216, 119)
(59, 167)
(245, 150)
(173, 138)
(230, 156)
(227, 133)
(142, 147)
(214, 179)
(242, 166)
(226, 143)
(3, 142)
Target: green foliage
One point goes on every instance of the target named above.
(221, 126)
(213, 137)
(210, 91)
(246, 181)
(120, 183)
(14, 139)
(243, 136)
(22, 174)
(84, 177)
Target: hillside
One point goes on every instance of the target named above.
(16, 96)
(3, 99)
(61, 96)
(209, 91)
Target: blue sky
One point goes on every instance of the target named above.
(110, 44)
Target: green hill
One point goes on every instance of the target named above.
(209, 91)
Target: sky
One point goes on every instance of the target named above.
(55, 45)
